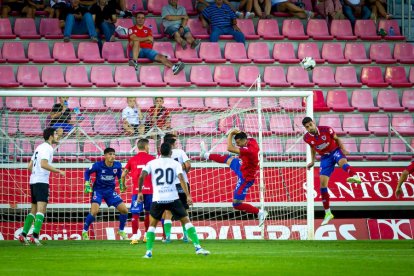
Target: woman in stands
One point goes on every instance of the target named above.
(379, 9)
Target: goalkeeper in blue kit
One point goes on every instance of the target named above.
(104, 189)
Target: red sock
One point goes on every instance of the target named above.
(325, 200)
(349, 169)
(246, 208)
(146, 221)
(134, 223)
(218, 158)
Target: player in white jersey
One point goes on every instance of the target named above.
(181, 157)
(164, 171)
(40, 168)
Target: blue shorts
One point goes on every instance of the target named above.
(171, 30)
(328, 162)
(145, 53)
(147, 202)
(110, 196)
(66, 127)
(242, 185)
(136, 207)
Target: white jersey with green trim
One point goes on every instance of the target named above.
(164, 172)
(43, 152)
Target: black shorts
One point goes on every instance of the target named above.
(176, 208)
(39, 192)
(183, 196)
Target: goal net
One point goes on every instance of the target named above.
(281, 186)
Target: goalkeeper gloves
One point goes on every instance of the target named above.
(88, 188)
(122, 186)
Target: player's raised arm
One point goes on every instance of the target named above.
(340, 145)
(230, 146)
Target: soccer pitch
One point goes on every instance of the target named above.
(227, 257)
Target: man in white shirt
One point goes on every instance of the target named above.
(132, 118)
(40, 168)
(164, 171)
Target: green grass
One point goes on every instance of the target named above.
(227, 258)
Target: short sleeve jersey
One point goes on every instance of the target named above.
(43, 152)
(162, 116)
(181, 157)
(163, 173)
(105, 176)
(135, 166)
(323, 142)
(249, 156)
(140, 32)
(63, 118)
(131, 115)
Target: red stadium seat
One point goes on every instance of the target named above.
(52, 76)
(408, 100)
(10, 124)
(197, 29)
(126, 76)
(29, 125)
(378, 124)
(395, 146)
(310, 49)
(332, 53)
(291, 104)
(284, 53)
(1, 58)
(381, 53)
(259, 53)
(225, 76)
(192, 147)
(338, 101)
(25, 28)
(150, 76)
(267, 103)
(363, 101)
(183, 124)
(139, 6)
(28, 76)
(273, 149)
(295, 149)
(93, 104)
(7, 77)
(229, 122)
(236, 53)
(188, 55)
(155, 6)
(372, 77)
(323, 76)
(39, 52)
(248, 75)
(105, 124)
(274, 76)
(298, 77)
(42, 104)
(346, 76)
(366, 30)
(101, 76)
(388, 100)
(356, 54)
(404, 53)
(5, 29)
(210, 52)
(166, 49)
(319, 104)
(246, 26)
(179, 80)
(251, 125)
(386, 25)
(370, 146)
(113, 52)
(293, 29)
(77, 76)
(86, 125)
(196, 104)
(317, 29)
(188, 5)
(64, 52)
(50, 28)
(397, 77)
(18, 104)
(88, 52)
(205, 124)
(151, 23)
(403, 123)
(125, 23)
(201, 76)
(116, 104)
(342, 30)
(333, 121)
(354, 124)
(67, 150)
(245, 102)
(13, 52)
(411, 76)
(352, 147)
(92, 152)
(217, 103)
(269, 29)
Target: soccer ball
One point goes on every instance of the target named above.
(308, 63)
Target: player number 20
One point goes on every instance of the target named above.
(167, 175)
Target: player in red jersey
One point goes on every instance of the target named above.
(323, 140)
(245, 166)
(409, 170)
(135, 166)
(140, 43)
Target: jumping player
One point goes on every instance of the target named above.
(323, 140)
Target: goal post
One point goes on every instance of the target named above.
(283, 186)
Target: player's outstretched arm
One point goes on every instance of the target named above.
(44, 164)
(185, 189)
(403, 178)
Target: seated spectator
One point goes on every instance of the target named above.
(158, 121)
(174, 19)
(60, 117)
(104, 16)
(202, 4)
(58, 6)
(262, 8)
(290, 8)
(132, 118)
(222, 20)
(245, 9)
(79, 21)
(40, 5)
(140, 43)
(120, 8)
(355, 9)
(379, 9)
(87, 4)
(16, 6)
(331, 9)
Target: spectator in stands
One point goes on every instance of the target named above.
(159, 116)
(202, 4)
(79, 21)
(355, 9)
(87, 4)
(61, 118)
(290, 8)
(132, 118)
(223, 21)
(331, 9)
(104, 16)
(17, 6)
(140, 43)
(40, 5)
(59, 6)
(262, 8)
(120, 8)
(379, 9)
(174, 19)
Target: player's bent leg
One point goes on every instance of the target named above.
(324, 180)
(23, 239)
(353, 177)
(150, 237)
(122, 220)
(167, 226)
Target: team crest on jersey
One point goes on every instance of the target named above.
(323, 137)
(115, 170)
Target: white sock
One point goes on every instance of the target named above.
(206, 155)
